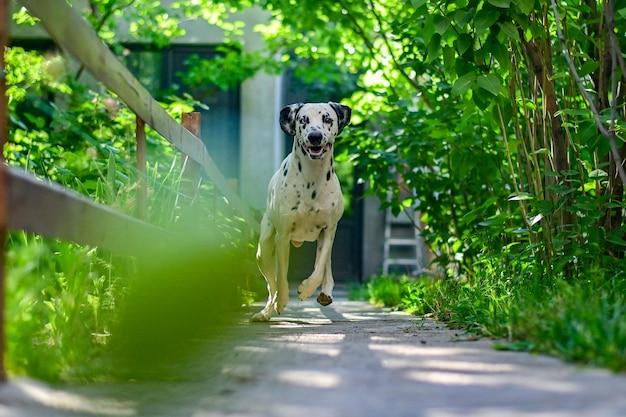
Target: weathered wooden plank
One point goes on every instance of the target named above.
(4, 117)
(55, 212)
(71, 31)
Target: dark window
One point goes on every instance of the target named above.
(160, 72)
(147, 67)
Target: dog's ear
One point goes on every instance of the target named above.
(288, 118)
(343, 115)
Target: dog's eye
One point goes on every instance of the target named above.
(304, 120)
(327, 119)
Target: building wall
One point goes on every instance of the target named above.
(373, 237)
(261, 149)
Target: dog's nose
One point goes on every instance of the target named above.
(315, 138)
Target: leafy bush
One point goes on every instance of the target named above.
(387, 291)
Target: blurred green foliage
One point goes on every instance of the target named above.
(65, 302)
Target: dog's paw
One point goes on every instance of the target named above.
(324, 299)
(304, 292)
(261, 316)
(281, 303)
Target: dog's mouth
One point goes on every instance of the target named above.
(316, 152)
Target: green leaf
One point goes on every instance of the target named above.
(418, 3)
(518, 346)
(521, 196)
(111, 174)
(484, 20)
(598, 174)
(434, 48)
(428, 28)
(463, 42)
(509, 30)
(615, 239)
(573, 112)
(463, 17)
(535, 219)
(501, 53)
(463, 84)
(441, 24)
(588, 67)
(448, 59)
(482, 99)
(490, 83)
(525, 6)
(503, 4)
(463, 66)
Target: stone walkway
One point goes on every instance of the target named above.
(346, 360)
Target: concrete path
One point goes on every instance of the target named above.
(345, 360)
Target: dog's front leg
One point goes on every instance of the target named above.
(282, 255)
(322, 263)
(328, 283)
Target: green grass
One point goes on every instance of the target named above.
(61, 301)
(581, 321)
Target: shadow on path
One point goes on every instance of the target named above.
(347, 359)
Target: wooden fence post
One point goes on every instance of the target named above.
(190, 176)
(142, 185)
(4, 35)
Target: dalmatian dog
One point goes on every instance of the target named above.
(304, 203)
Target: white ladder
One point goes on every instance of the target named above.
(403, 247)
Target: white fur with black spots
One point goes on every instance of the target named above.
(304, 203)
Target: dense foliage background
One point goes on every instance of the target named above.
(502, 121)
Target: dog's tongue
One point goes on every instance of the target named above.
(319, 149)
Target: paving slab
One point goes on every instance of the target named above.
(347, 359)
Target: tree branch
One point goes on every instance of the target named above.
(361, 32)
(390, 49)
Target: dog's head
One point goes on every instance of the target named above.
(314, 125)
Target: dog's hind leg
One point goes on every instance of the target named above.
(282, 253)
(266, 260)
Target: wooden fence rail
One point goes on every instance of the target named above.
(55, 212)
(50, 210)
(71, 31)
